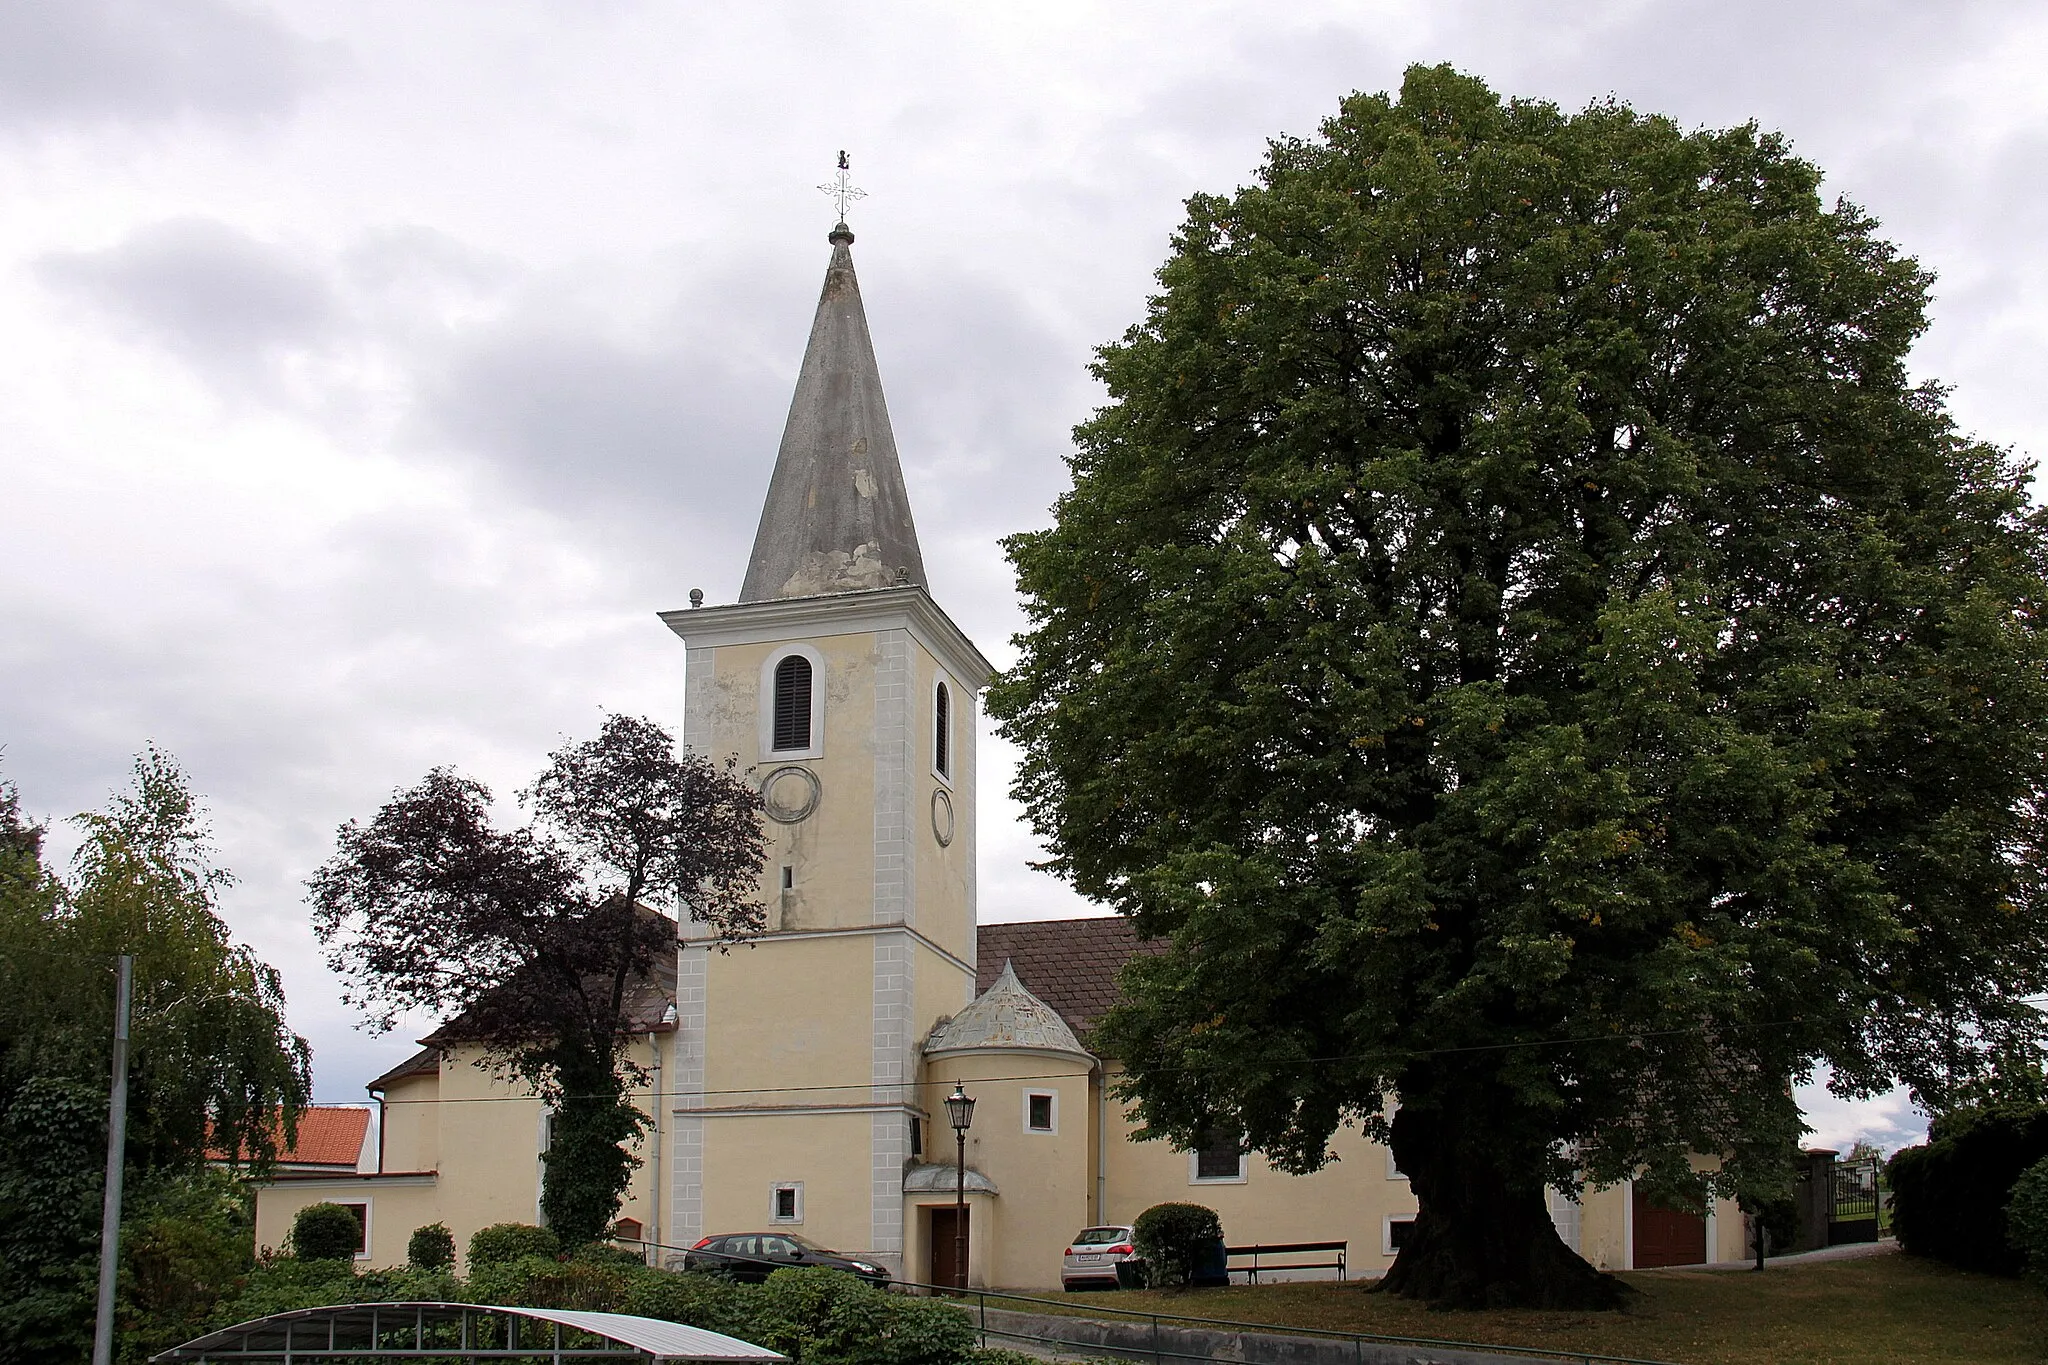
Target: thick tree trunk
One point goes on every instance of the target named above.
(1482, 1236)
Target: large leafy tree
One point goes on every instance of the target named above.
(212, 1064)
(542, 941)
(1520, 635)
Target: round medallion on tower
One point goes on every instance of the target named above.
(789, 794)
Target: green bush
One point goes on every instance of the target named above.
(430, 1248)
(999, 1355)
(1173, 1240)
(2026, 1219)
(712, 1302)
(325, 1232)
(545, 1282)
(1949, 1196)
(817, 1316)
(504, 1243)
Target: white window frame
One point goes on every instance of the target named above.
(1243, 1176)
(945, 777)
(1387, 1231)
(766, 708)
(1054, 1097)
(774, 1200)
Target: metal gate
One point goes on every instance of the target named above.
(1852, 1212)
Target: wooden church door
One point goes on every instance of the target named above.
(946, 1267)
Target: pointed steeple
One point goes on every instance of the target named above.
(837, 518)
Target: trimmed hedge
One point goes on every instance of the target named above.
(430, 1248)
(504, 1243)
(813, 1315)
(1949, 1196)
(1173, 1240)
(325, 1232)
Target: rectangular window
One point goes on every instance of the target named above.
(793, 703)
(788, 877)
(1396, 1235)
(1218, 1155)
(786, 1202)
(916, 1136)
(1039, 1111)
(362, 1217)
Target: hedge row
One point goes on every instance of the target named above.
(1949, 1196)
(812, 1315)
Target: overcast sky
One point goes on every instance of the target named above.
(373, 372)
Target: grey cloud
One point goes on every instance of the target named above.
(215, 296)
(137, 61)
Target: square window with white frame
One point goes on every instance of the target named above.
(1041, 1111)
(786, 1202)
(1218, 1158)
(1394, 1232)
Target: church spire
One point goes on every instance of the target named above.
(837, 518)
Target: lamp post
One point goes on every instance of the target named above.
(960, 1109)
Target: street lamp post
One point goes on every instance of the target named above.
(960, 1109)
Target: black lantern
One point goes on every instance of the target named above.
(960, 1108)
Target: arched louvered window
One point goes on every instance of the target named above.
(793, 703)
(942, 732)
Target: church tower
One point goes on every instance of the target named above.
(838, 682)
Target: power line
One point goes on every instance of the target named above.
(1411, 1054)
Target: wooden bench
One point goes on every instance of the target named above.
(1257, 1253)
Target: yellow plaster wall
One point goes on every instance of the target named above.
(745, 1155)
(1041, 1178)
(411, 1135)
(832, 852)
(397, 1206)
(1348, 1200)
(788, 1012)
(944, 872)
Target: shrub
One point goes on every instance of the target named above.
(325, 1232)
(1174, 1239)
(817, 1316)
(504, 1243)
(999, 1355)
(545, 1282)
(712, 1302)
(430, 1248)
(1949, 1196)
(2026, 1219)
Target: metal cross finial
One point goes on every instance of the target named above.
(841, 189)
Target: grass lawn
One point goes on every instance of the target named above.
(1883, 1310)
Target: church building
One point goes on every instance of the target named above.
(798, 1079)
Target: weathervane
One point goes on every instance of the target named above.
(841, 189)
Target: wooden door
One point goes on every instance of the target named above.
(947, 1267)
(1667, 1237)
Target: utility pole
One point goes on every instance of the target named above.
(117, 1154)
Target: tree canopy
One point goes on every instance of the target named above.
(212, 1064)
(535, 941)
(1521, 634)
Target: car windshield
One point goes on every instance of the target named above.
(806, 1243)
(1098, 1237)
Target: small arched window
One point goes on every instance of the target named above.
(793, 703)
(942, 731)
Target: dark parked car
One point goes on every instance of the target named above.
(753, 1256)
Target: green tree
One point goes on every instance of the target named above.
(1521, 637)
(211, 1061)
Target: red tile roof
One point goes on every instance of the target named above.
(1070, 964)
(329, 1135)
